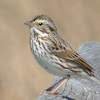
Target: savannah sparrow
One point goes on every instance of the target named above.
(54, 54)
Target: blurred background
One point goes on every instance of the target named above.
(21, 78)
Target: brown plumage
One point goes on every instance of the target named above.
(54, 54)
(74, 58)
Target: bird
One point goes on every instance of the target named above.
(55, 55)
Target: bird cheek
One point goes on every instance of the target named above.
(46, 30)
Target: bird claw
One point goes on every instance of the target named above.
(50, 92)
(44, 92)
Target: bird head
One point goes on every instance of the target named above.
(43, 24)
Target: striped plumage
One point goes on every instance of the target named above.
(53, 53)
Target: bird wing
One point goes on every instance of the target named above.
(74, 58)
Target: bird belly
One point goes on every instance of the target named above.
(50, 67)
(54, 69)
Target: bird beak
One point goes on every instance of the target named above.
(29, 23)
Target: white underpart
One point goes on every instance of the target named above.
(48, 64)
(45, 61)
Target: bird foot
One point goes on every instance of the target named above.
(51, 92)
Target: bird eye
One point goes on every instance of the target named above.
(40, 24)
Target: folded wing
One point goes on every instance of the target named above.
(74, 58)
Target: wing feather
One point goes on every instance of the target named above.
(64, 51)
(73, 57)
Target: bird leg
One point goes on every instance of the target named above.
(50, 91)
(50, 88)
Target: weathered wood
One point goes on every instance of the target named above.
(81, 89)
